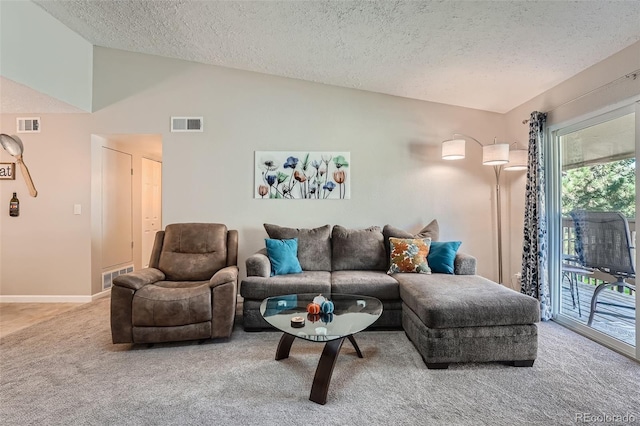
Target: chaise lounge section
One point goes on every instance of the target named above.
(468, 319)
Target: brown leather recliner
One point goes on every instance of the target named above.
(188, 292)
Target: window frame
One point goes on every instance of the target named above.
(553, 165)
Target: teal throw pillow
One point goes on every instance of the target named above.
(442, 255)
(283, 255)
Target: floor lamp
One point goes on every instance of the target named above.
(497, 155)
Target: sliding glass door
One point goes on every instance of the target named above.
(593, 191)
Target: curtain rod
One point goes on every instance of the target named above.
(632, 75)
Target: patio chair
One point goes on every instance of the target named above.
(571, 269)
(603, 242)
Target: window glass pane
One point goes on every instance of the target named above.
(598, 227)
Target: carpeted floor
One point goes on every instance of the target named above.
(66, 371)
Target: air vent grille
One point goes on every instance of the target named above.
(28, 124)
(187, 124)
(107, 277)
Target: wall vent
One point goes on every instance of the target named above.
(107, 277)
(187, 124)
(28, 124)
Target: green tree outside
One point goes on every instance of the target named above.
(601, 187)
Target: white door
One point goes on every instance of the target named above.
(151, 206)
(117, 208)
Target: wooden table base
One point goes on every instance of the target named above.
(324, 371)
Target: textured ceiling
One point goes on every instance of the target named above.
(490, 55)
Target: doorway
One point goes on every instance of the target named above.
(143, 171)
(151, 206)
(593, 195)
(117, 208)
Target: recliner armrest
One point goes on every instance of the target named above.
(464, 264)
(138, 279)
(258, 265)
(225, 275)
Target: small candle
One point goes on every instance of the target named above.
(297, 322)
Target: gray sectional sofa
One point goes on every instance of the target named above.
(459, 317)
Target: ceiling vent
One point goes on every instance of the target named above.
(28, 125)
(187, 124)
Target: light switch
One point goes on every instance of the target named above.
(77, 209)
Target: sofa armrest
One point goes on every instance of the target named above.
(258, 264)
(464, 264)
(138, 279)
(228, 274)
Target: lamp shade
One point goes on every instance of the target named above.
(517, 160)
(496, 154)
(453, 149)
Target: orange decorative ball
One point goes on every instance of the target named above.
(313, 308)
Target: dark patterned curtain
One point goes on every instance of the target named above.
(535, 280)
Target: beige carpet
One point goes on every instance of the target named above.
(66, 371)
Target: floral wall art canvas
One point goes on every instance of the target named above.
(302, 175)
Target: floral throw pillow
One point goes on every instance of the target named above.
(409, 255)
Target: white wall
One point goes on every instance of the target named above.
(31, 41)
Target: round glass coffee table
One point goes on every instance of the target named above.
(351, 314)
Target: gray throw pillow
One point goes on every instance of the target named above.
(314, 245)
(358, 249)
(432, 230)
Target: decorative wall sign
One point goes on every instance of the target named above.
(302, 175)
(7, 171)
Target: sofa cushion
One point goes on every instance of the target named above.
(366, 283)
(464, 264)
(442, 256)
(449, 301)
(409, 255)
(432, 230)
(259, 288)
(193, 251)
(358, 249)
(314, 245)
(283, 256)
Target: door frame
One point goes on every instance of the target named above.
(553, 165)
(131, 219)
(144, 158)
(144, 146)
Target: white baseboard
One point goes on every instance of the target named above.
(102, 294)
(54, 299)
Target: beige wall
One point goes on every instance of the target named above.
(398, 176)
(47, 249)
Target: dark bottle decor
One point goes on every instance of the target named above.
(14, 206)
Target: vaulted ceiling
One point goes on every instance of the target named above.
(490, 55)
